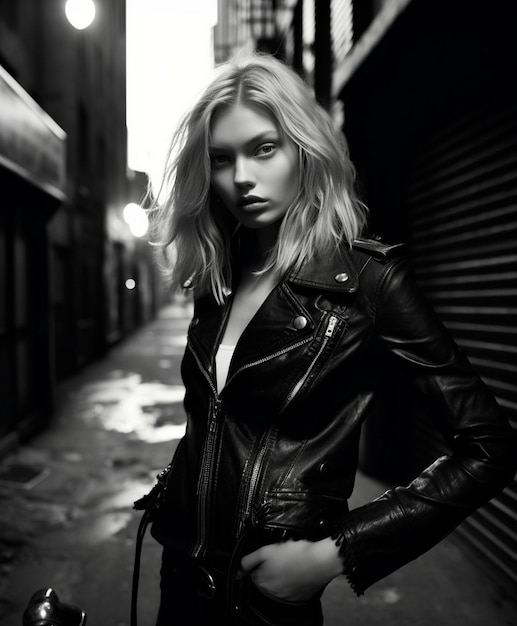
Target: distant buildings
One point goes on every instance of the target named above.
(65, 250)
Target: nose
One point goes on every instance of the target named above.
(243, 176)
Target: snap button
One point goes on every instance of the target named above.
(323, 467)
(341, 278)
(300, 322)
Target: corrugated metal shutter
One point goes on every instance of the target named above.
(462, 226)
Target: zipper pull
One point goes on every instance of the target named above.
(331, 326)
(213, 420)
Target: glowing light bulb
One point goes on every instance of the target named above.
(80, 13)
(136, 218)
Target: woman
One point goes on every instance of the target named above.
(296, 318)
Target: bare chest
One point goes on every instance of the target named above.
(247, 300)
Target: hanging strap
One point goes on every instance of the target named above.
(142, 527)
(149, 503)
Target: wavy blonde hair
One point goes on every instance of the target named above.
(325, 213)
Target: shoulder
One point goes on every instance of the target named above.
(378, 250)
(343, 268)
(375, 261)
(373, 255)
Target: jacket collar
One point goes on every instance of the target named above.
(333, 272)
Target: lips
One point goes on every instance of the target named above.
(249, 200)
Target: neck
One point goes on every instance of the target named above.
(256, 245)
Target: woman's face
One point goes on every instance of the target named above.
(254, 168)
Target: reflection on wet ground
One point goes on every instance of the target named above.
(116, 425)
(152, 411)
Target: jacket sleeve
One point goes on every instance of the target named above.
(406, 521)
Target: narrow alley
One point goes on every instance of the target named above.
(66, 518)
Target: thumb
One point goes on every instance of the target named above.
(249, 562)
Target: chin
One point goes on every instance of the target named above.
(257, 222)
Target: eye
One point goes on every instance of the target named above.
(266, 149)
(219, 160)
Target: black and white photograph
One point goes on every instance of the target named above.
(258, 312)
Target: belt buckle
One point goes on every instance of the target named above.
(207, 583)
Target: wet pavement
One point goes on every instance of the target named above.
(116, 424)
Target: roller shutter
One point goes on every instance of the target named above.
(461, 215)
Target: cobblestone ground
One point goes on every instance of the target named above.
(115, 426)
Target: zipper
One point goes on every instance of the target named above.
(205, 482)
(273, 355)
(207, 372)
(205, 479)
(256, 471)
(329, 331)
(253, 482)
(331, 326)
(204, 371)
(259, 459)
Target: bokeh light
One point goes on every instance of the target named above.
(136, 218)
(80, 13)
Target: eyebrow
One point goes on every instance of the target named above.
(263, 136)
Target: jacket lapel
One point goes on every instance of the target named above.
(335, 271)
(281, 322)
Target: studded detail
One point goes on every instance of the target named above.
(341, 278)
(300, 322)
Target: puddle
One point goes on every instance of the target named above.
(114, 512)
(105, 526)
(381, 597)
(390, 596)
(90, 530)
(153, 412)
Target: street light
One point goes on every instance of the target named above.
(136, 218)
(80, 13)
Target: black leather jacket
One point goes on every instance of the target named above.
(277, 449)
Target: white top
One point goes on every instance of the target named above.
(222, 364)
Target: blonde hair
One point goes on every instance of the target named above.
(325, 213)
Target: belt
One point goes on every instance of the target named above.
(210, 583)
(206, 585)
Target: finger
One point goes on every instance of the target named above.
(249, 562)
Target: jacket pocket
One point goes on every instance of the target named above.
(258, 607)
(300, 514)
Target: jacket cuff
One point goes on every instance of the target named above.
(347, 554)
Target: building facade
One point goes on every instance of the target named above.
(425, 94)
(66, 252)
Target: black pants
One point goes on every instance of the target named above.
(194, 593)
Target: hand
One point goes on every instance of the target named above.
(293, 570)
